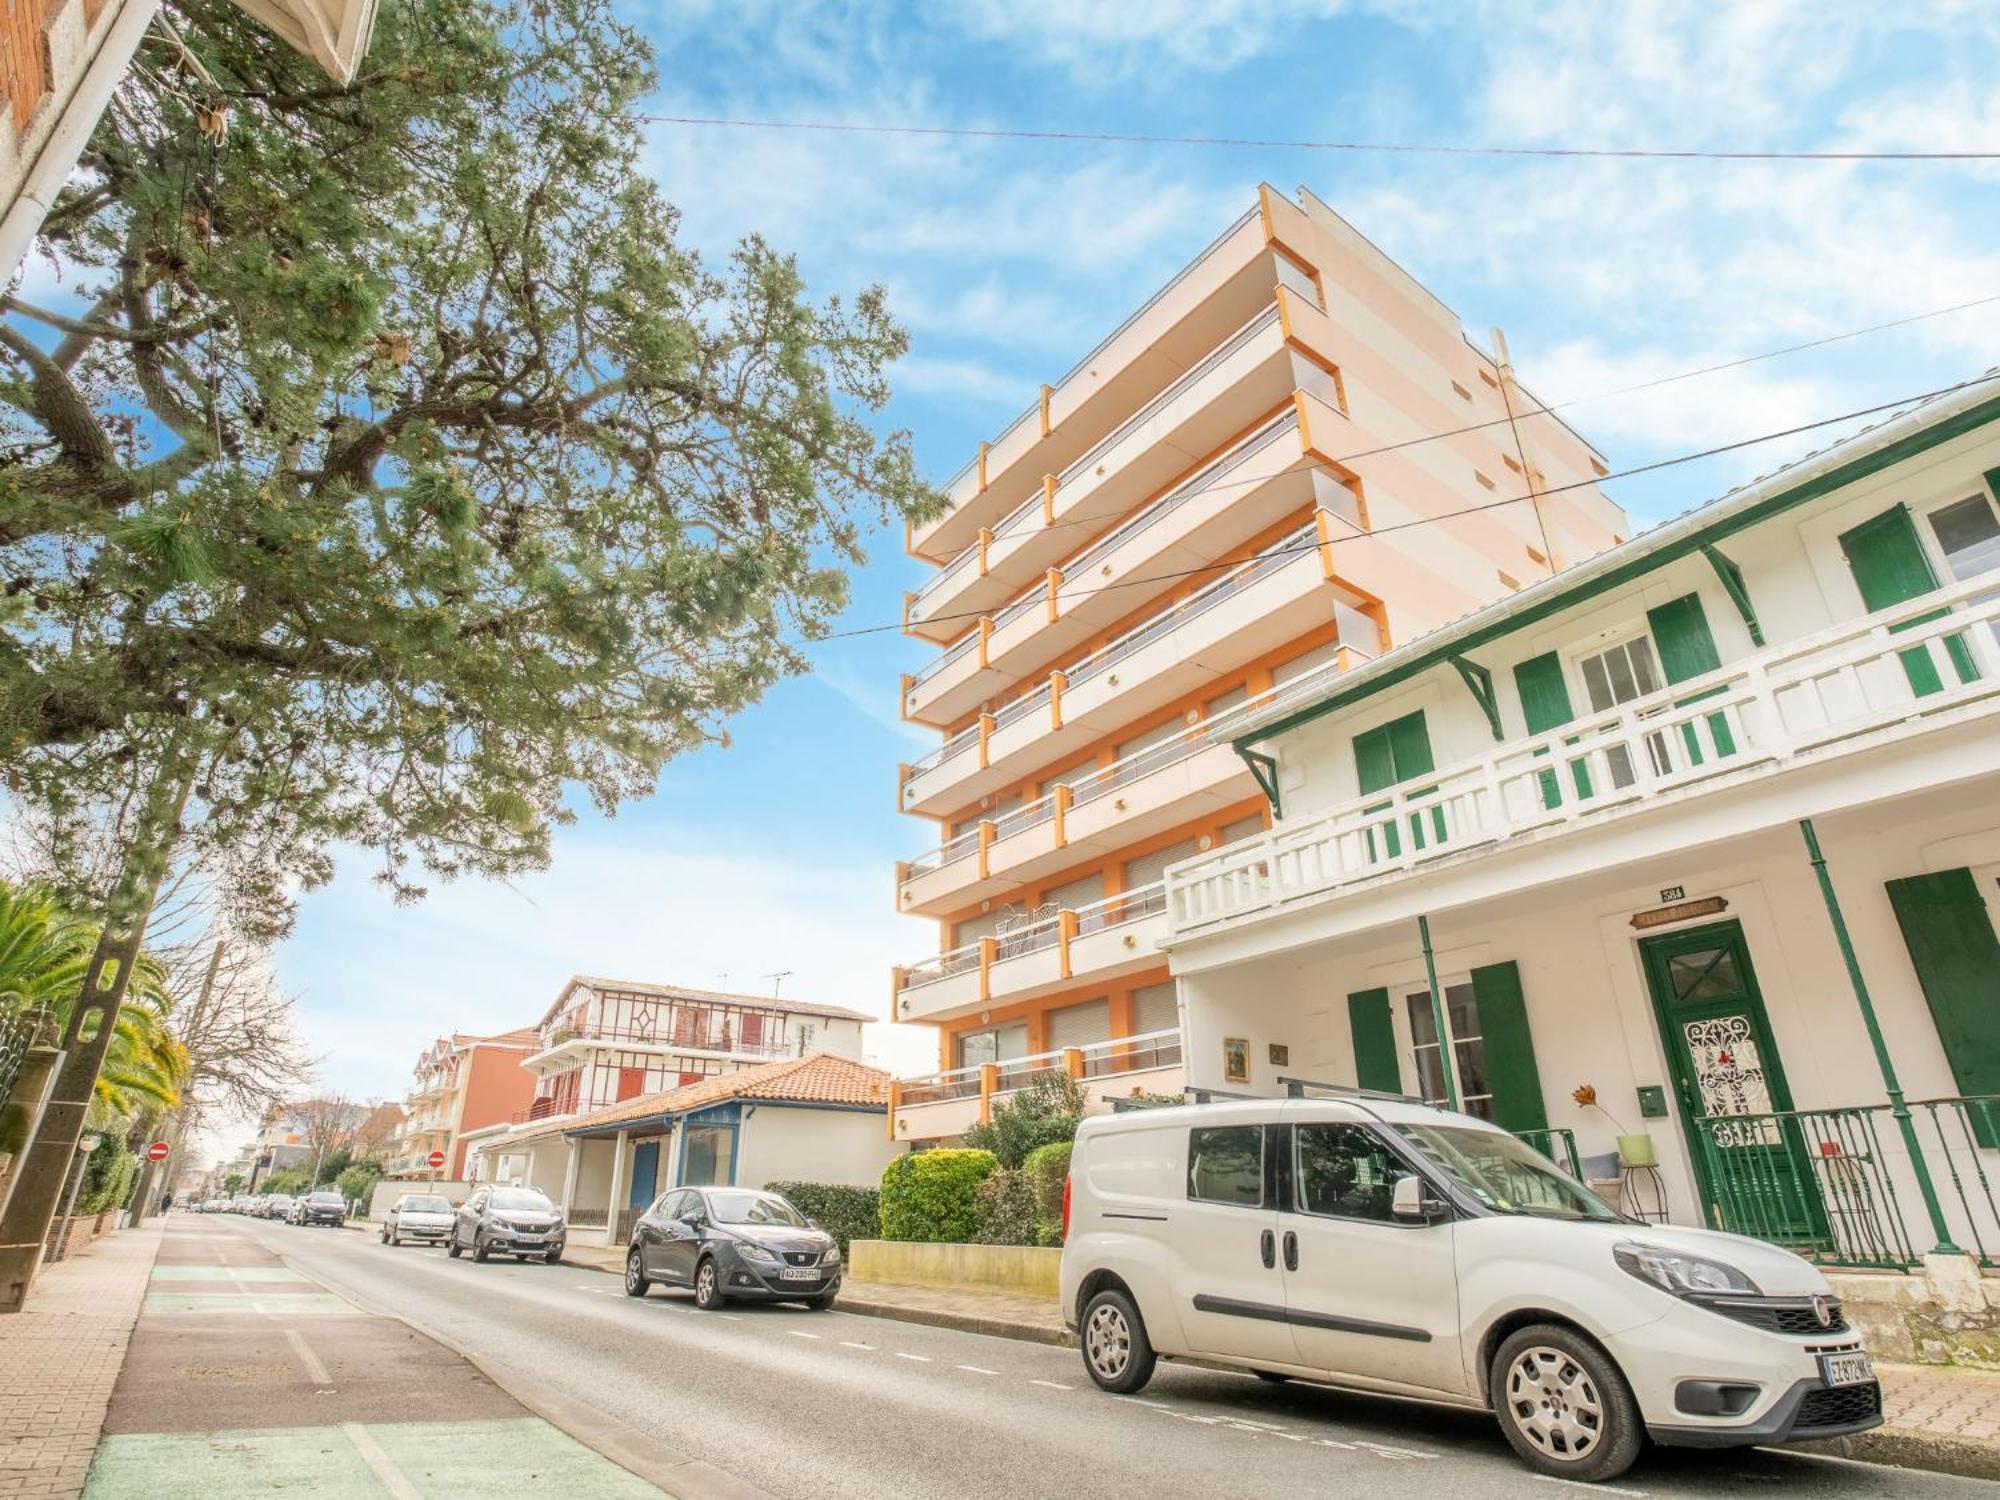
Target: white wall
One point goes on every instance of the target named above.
(812, 1145)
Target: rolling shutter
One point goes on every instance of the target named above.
(1375, 1065)
(1957, 959)
(1155, 1008)
(1889, 566)
(1080, 1025)
(1510, 1051)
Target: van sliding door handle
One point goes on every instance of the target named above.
(1291, 1251)
(1269, 1244)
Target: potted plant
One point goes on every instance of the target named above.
(1635, 1148)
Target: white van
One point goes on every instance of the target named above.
(1387, 1246)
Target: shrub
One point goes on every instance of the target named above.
(291, 1182)
(1046, 1111)
(1005, 1206)
(357, 1183)
(928, 1195)
(1046, 1168)
(108, 1175)
(846, 1213)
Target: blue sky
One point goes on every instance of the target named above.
(1008, 259)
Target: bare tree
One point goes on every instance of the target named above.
(327, 1123)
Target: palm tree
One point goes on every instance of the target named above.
(43, 951)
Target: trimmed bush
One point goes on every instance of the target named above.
(928, 1196)
(108, 1176)
(1046, 1169)
(846, 1213)
(1005, 1206)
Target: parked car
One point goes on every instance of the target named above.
(424, 1217)
(1391, 1247)
(732, 1242)
(322, 1207)
(275, 1206)
(520, 1222)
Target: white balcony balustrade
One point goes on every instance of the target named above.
(947, 1104)
(1896, 673)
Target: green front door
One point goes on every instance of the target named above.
(1752, 1170)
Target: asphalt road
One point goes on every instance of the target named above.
(837, 1406)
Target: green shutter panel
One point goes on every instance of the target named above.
(1545, 705)
(1889, 566)
(1957, 960)
(1510, 1051)
(1374, 761)
(1687, 649)
(1410, 739)
(1375, 1065)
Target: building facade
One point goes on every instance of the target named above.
(462, 1083)
(1680, 862)
(1289, 459)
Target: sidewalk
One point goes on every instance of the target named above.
(59, 1360)
(244, 1377)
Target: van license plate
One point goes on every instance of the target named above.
(1846, 1369)
(797, 1274)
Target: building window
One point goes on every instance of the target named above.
(1475, 1091)
(805, 1037)
(1618, 675)
(1968, 535)
(997, 1045)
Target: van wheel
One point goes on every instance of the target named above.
(1563, 1405)
(1116, 1351)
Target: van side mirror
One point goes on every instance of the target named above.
(1413, 1200)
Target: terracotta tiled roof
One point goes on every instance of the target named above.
(817, 1078)
(520, 1036)
(719, 997)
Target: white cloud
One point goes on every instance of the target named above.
(1104, 42)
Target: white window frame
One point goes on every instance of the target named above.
(1414, 990)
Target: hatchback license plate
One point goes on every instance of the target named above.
(798, 1274)
(528, 1239)
(1846, 1369)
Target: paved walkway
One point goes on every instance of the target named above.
(59, 1359)
(245, 1377)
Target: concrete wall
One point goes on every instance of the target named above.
(495, 1088)
(777, 1144)
(1021, 1270)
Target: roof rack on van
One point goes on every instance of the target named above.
(1297, 1088)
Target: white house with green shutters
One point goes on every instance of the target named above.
(1708, 824)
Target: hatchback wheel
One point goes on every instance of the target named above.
(1563, 1405)
(452, 1246)
(479, 1251)
(636, 1284)
(1116, 1351)
(708, 1287)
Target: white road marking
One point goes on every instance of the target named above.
(850, 1344)
(978, 1370)
(1054, 1385)
(371, 1452)
(1601, 1489)
(315, 1370)
(800, 1334)
(922, 1359)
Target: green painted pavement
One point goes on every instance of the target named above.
(434, 1460)
(287, 1304)
(225, 1273)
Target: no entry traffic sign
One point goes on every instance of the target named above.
(436, 1160)
(157, 1151)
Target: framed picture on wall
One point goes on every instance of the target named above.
(1235, 1059)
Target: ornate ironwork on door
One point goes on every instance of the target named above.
(1729, 1078)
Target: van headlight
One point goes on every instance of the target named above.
(1681, 1274)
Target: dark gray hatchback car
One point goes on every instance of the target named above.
(732, 1242)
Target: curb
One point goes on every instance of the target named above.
(1909, 1448)
(999, 1328)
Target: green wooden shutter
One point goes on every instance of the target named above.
(1393, 752)
(1957, 959)
(1687, 649)
(1510, 1050)
(1889, 566)
(1375, 1065)
(1545, 705)
(1374, 760)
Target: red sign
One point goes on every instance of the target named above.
(157, 1151)
(436, 1160)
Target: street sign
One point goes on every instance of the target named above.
(436, 1160)
(157, 1151)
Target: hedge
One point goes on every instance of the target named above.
(1046, 1169)
(1005, 1206)
(846, 1213)
(108, 1175)
(929, 1196)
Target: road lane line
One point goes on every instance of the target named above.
(1054, 1385)
(922, 1359)
(1601, 1489)
(372, 1454)
(850, 1344)
(977, 1370)
(315, 1370)
(799, 1333)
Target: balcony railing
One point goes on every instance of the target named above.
(1116, 1057)
(716, 1036)
(957, 649)
(1921, 658)
(543, 1108)
(1060, 929)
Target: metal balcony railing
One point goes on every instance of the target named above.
(1047, 932)
(720, 1034)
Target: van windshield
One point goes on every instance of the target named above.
(1505, 1173)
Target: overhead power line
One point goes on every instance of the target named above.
(1407, 148)
(1648, 468)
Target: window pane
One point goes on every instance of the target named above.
(1709, 975)
(1458, 1004)
(1344, 1171)
(1597, 684)
(1226, 1165)
(977, 1048)
(1423, 1026)
(1644, 673)
(1970, 537)
(1623, 688)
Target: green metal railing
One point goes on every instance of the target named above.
(1838, 1184)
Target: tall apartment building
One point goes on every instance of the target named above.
(1288, 459)
(462, 1083)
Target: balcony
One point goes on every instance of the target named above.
(1069, 947)
(1918, 667)
(948, 1104)
(1268, 475)
(1224, 284)
(1107, 808)
(1274, 597)
(719, 1035)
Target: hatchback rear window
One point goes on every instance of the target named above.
(1226, 1165)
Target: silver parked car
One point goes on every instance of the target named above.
(423, 1217)
(520, 1222)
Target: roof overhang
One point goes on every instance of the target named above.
(333, 33)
